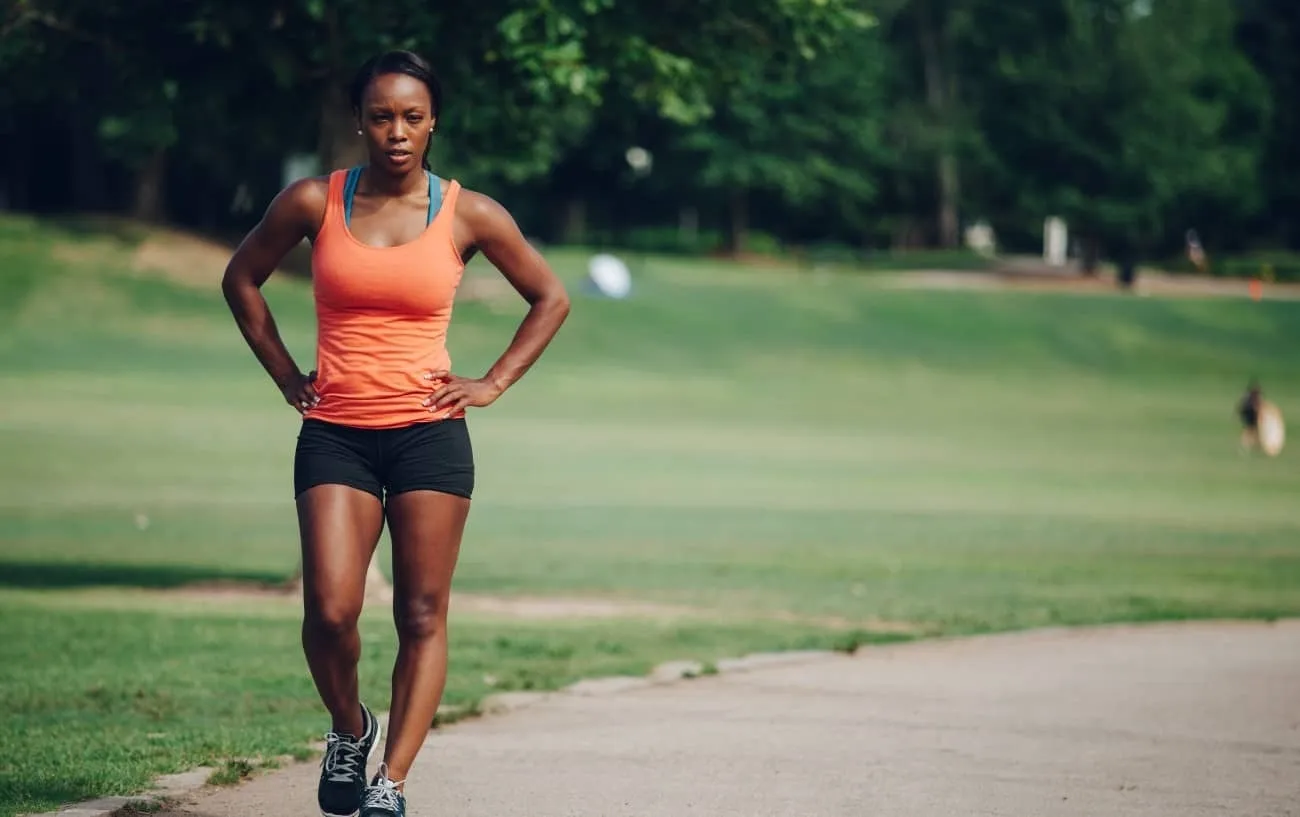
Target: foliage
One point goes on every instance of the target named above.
(1269, 35)
(1127, 120)
(865, 122)
(803, 132)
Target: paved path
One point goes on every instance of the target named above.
(1179, 720)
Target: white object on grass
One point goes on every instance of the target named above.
(1272, 431)
(609, 275)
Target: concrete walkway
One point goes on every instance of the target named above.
(1179, 720)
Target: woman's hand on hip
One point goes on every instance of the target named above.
(300, 392)
(457, 393)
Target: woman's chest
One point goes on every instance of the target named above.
(390, 224)
(414, 279)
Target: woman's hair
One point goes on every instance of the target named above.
(398, 62)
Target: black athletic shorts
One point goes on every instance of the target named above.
(433, 456)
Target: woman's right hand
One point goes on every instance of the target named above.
(300, 392)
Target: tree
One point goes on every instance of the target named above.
(524, 79)
(1268, 33)
(928, 78)
(1114, 114)
(118, 73)
(803, 131)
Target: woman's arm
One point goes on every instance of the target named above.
(294, 214)
(494, 233)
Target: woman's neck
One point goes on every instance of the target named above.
(380, 183)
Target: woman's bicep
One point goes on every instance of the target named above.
(499, 238)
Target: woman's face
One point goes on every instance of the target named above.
(396, 118)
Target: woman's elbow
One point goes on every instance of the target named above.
(239, 285)
(559, 301)
(233, 284)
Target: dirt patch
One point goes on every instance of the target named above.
(535, 608)
(871, 624)
(558, 608)
(182, 258)
(562, 607)
(83, 254)
(235, 592)
(487, 287)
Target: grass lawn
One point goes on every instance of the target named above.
(767, 447)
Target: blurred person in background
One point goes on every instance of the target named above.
(1262, 426)
(384, 436)
(1195, 252)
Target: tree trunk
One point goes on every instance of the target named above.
(574, 228)
(148, 202)
(939, 92)
(688, 226)
(949, 224)
(1091, 254)
(90, 181)
(87, 169)
(14, 188)
(340, 145)
(738, 223)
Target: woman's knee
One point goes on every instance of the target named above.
(420, 615)
(332, 618)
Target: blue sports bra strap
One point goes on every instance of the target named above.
(350, 190)
(435, 197)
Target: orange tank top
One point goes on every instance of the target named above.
(381, 318)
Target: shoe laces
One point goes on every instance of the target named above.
(342, 754)
(383, 794)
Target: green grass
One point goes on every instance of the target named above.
(747, 442)
(104, 689)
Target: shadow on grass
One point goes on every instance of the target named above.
(97, 225)
(37, 575)
(132, 233)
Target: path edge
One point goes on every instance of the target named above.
(171, 790)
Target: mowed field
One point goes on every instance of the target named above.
(736, 459)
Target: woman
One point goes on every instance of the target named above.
(384, 436)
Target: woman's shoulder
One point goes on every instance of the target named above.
(485, 221)
(308, 190)
(475, 206)
(304, 199)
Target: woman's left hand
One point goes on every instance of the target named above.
(457, 393)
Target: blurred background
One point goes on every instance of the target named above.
(936, 319)
(837, 128)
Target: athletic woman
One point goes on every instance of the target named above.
(384, 435)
